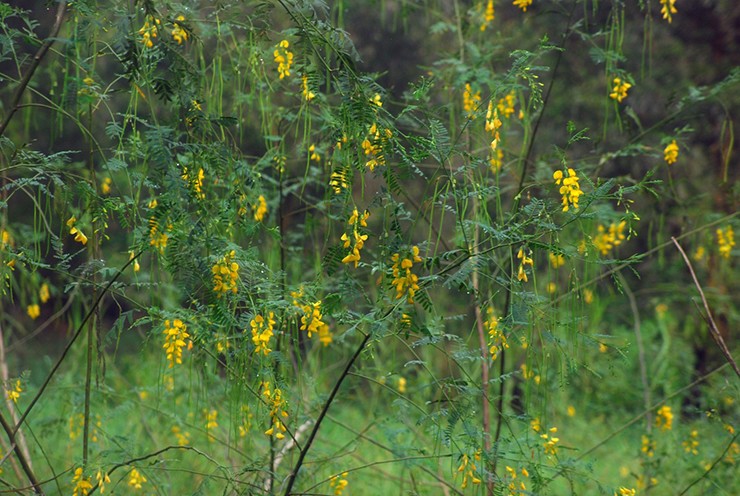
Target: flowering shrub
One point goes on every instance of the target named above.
(258, 267)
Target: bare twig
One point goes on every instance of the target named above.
(714, 331)
(14, 106)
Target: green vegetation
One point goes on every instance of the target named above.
(395, 247)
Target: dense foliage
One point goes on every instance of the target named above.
(413, 247)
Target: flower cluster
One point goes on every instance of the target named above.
(79, 235)
(338, 180)
(648, 446)
(468, 468)
(488, 15)
(157, 238)
(609, 238)
(262, 331)
(211, 417)
(523, 4)
(525, 259)
(82, 484)
(260, 209)
(15, 393)
(183, 438)
(550, 442)
(516, 489)
(355, 222)
(338, 483)
(178, 33)
(493, 124)
(225, 274)
(196, 183)
(406, 282)
(308, 95)
(149, 31)
(692, 443)
(664, 418)
(556, 260)
(103, 478)
(726, 241)
(670, 154)
(283, 58)
(105, 185)
(372, 145)
(136, 479)
(33, 310)
(471, 101)
(312, 321)
(496, 337)
(569, 188)
(624, 491)
(274, 399)
(175, 333)
(506, 104)
(668, 9)
(619, 92)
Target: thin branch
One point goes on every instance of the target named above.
(714, 331)
(14, 106)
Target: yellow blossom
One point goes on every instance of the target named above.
(105, 186)
(373, 144)
(525, 260)
(664, 418)
(131, 255)
(312, 321)
(648, 446)
(33, 311)
(726, 241)
(556, 260)
(523, 4)
(308, 95)
(550, 441)
(488, 15)
(260, 209)
(496, 338)
(668, 9)
(699, 254)
(570, 189)
(338, 180)
(211, 417)
(692, 443)
(149, 31)
(175, 332)
(178, 33)
(338, 483)
(402, 385)
(283, 58)
(535, 425)
(405, 281)
(588, 296)
(15, 393)
(571, 411)
(552, 288)
(278, 406)
(225, 274)
(670, 154)
(506, 104)
(135, 479)
(102, 479)
(358, 240)
(603, 348)
(619, 92)
(468, 468)
(79, 236)
(471, 101)
(623, 491)
(314, 155)
(262, 331)
(82, 484)
(376, 100)
(157, 238)
(44, 293)
(608, 239)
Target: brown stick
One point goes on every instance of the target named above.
(714, 331)
(15, 105)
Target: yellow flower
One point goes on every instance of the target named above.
(15, 393)
(699, 254)
(131, 255)
(692, 443)
(496, 338)
(178, 33)
(278, 406)
(82, 484)
(648, 446)
(355, 221)
(468, 468)
(260, 209)
(283, 58)
(506, 104)
(488, 15)
(668, 9)
(556, 260)
(726, 241)
(262, 331)
(339, 483)
(525, 260)
(79, 236)
(670, 154)
(376, 100)
(44, 293)
(175, 335)
(570, 189)
(225, 274)
(135, 479)
(588, 296)
(619, 92)
(308, 95)
(149, 31)
(372, 145)
(402, 385)
(33, 311)
(571, 410)
(623, 491)
(405, 282)
(314, 154)
(312, 321)
(105, 186)
(664, 418)
(607, 239)
(523, 4)
(471, 101)
(102, 479)
(550, 442)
